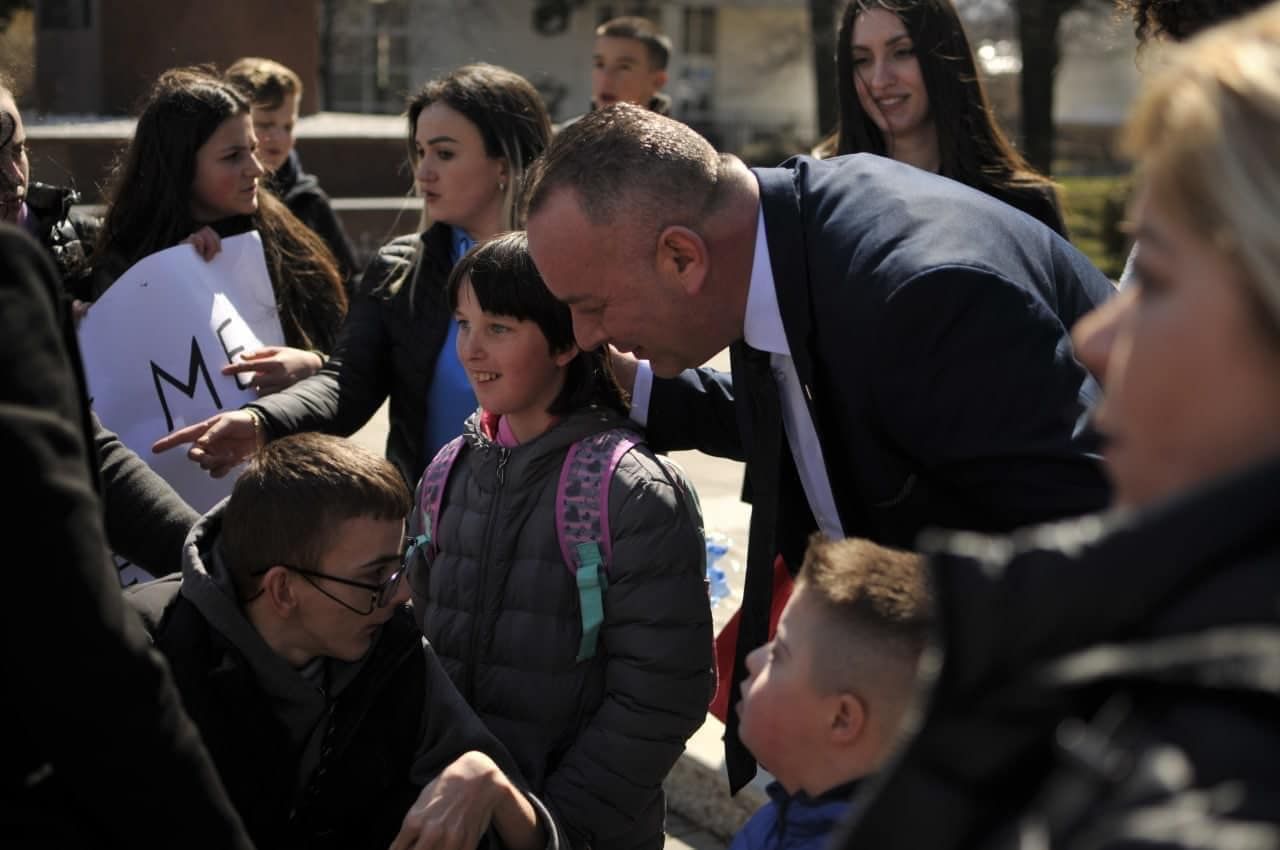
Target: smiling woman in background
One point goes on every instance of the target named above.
(909, 89)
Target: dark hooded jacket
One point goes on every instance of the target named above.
(332, 758)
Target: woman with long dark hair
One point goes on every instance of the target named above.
(472, 134)
(191, 174)
(909, 89)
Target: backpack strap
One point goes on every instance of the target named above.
(425, 520)
(582, 522)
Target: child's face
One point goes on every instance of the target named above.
(274, 128)
(510, 365)
(783, 719)
(621, 73)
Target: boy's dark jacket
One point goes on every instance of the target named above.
(334, 763)
(794, 821)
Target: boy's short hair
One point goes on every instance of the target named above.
(644, 31)
(295, 492)
(265, 82)
(874, 601)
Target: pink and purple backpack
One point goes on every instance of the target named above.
(582, 515)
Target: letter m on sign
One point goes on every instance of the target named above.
(196, 368)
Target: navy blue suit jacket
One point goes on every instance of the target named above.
(929, 324)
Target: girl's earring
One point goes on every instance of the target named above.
(502, 186)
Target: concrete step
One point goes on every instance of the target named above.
(353, 155)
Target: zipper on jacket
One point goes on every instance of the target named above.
(469, 692)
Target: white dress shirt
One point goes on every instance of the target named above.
(763, 330)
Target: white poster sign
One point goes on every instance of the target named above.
(155, 343)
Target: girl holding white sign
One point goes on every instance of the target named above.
(191, 173)
(471, 135)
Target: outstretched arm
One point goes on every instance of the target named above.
(219, 443)
(146, 520)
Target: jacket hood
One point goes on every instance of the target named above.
(299, 700)
(547, 447)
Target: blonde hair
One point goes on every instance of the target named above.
(1204, 131)
(264, 81)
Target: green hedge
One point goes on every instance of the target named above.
(1095, 210)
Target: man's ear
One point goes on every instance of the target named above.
(659, 80)
(278, 591)
(683, 258)
(848, 718)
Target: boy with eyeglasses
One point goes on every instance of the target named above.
(325, 711)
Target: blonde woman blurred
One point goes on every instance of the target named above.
(1113, 681)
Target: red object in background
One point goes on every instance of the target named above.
(727, 640)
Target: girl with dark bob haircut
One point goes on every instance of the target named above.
(909, 89)
(594, 707)
(505, 282)
(191, 173)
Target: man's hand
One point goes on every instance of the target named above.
(221, 442)
(275, 367)
(456, 809)
(206, 242)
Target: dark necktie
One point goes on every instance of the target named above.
(764, 460)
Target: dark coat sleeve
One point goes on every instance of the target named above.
(146, 520)
(659, 676)
(87, 696)
(451, 728)
(694, 410)
(978, 387)
(349, 388)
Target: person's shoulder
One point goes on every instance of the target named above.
(389, 264)
(18, 244)
(152, 600)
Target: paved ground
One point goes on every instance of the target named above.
(683, 834)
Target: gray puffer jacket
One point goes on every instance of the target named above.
(595, 739)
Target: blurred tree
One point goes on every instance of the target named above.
(822, 22)
(8, 8)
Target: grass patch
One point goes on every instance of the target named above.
(1095, 208)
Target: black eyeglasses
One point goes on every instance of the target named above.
(380, 594)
